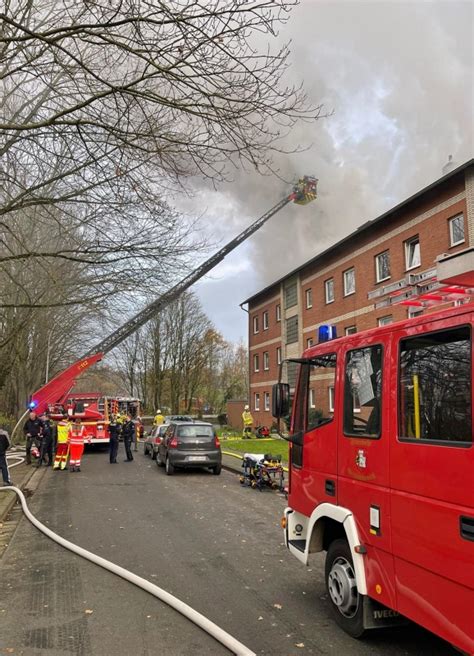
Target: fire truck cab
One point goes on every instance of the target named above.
(382, 473)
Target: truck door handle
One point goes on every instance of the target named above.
(466, 526)
(330, 488)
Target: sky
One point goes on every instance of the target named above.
(398, 79)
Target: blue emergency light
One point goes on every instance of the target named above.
(32, 405)
(326, 333)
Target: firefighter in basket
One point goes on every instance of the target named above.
(76, 437)
(247, 421)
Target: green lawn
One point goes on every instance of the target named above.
(275, 447)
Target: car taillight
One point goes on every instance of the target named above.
(173, 443)
(216, 441)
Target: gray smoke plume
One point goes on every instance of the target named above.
(399, 78)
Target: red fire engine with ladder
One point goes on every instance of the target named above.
(94, 409)
(382, 461)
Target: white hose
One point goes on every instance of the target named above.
(203, 622)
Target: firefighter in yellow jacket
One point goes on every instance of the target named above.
(247, 420)
(159, 419)
(62, 446)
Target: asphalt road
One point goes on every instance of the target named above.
(204, 538)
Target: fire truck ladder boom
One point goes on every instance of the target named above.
(302, 193)
(58, 387)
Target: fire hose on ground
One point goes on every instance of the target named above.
(231, 643)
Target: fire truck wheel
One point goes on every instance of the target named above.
(346, 602)
(169, 467)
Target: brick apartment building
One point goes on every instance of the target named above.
(333, 287)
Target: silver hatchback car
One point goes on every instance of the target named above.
(190, 444)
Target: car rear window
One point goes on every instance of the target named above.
(195, 431)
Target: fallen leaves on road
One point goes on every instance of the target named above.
(300, 645)
(278, 606)
(88, 611)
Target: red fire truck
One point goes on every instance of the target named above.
(382, 465)
(94, 411)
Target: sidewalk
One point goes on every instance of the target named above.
(21, 475)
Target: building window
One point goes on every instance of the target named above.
(329, 290)
(278, 312)
(309, 298)
(384, 321)
(292, 330)
(256, 403)
(292, 372)
(331, 398)
(312, 403)
(434, 388)
(382, 266)
(255, 325)
(456, 230)
(265, 321)
(349, 282)
(350, 330)
(256, 362)
(412, 253)
(278, 354)
(266, 400)
(266, 361)
(309, 342)
(414, 312)
(291, 294)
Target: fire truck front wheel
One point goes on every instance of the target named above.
(346, 602)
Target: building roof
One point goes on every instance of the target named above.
(363, 228)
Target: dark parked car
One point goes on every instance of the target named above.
(153, 439)
(190, 444)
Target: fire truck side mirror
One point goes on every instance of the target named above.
(280, 400)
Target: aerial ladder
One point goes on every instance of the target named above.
(59, 387)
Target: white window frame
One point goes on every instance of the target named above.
(266, 401)
(381, 320)
(331, 398)
(312, 398)
(344, 277)
(278, 354)
(278, 312)
(309, 298)
(256, 401)
(408, 242)
(350, 330)
(309, 342)
(265, 320)
(256, 363)
(326, 290)
(414, 312)
(378, 277)
(451, 233)
(255, 325)
(266, 361)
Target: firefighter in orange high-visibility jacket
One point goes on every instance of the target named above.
(62, 444)
(76, 438)
(247, 421)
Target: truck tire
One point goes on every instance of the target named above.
(346, 603)
(169, 467)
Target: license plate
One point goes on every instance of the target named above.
(196, 458)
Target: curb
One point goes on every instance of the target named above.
(34, 477)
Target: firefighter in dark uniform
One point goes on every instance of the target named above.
(114, 434)
(128, 432)
(32, 429)
(47, 440)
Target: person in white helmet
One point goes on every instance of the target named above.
(247, 420)
(159, 419)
